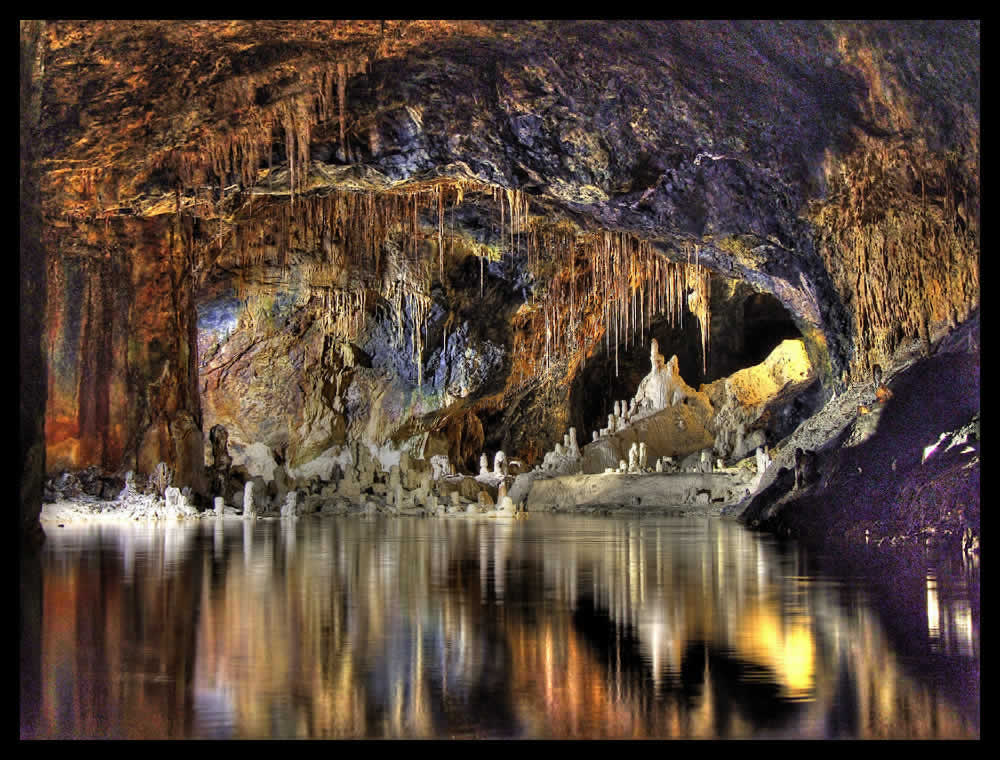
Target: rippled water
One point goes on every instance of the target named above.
(544, 627)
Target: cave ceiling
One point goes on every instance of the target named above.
(348, 153)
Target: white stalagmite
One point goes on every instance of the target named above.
(500, 464)
(633, 458)
(249, 508)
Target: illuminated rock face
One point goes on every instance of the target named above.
(766, 389)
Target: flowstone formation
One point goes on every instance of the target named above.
(668, 430)
(349, 241)
(666, 415)
(660, 386)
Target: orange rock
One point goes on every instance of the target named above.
(883, 394)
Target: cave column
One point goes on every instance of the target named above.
(163, 356)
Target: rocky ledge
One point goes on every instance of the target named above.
(894, 462)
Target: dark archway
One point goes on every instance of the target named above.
(746, 327)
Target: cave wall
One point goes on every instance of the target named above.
(122, 390)
(832, 165)
(898, 228)
(273, 370)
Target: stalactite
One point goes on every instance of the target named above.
(341, 104)
(626, 285)
(902, 257)
(440, 199)
(609, 284)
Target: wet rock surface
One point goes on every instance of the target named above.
(906, 470)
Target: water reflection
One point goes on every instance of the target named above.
(550, 627)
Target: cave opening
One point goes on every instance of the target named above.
(746, 326)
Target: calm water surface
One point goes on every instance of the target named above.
(544, 627)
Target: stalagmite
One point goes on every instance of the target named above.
(706, 460)
(249, 507)
(762, 459)
(291, 506)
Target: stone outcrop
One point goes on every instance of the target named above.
(640, 493)
(667, 416)
(754, 399)
(879, 483)
(674, 431)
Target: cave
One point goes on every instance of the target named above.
(442, 238)
(359, 271)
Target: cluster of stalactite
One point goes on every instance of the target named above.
(608, 284)
(406, 287)
(237, 155)
(901, 241)
(352, 246)
(223, 129)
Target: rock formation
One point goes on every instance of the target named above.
(500, 465)
(429, 237)
(663, 429)
(657, 388)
